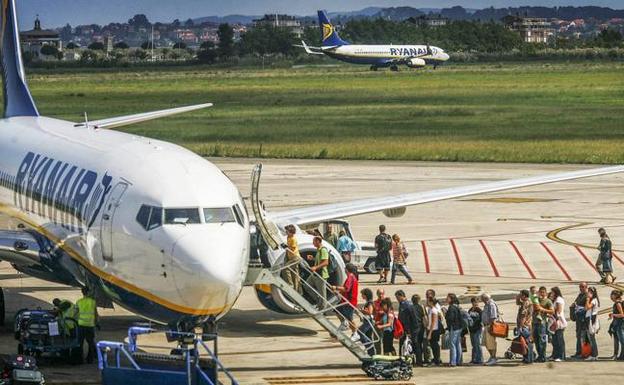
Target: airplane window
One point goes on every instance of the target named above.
(155, 218)
(143, 216)
(239, 215)
(219, 215)
(182, 216)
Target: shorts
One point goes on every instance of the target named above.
(382, 261)
(346, 310)
(489, 341)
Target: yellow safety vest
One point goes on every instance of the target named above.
(86, 312)
(70, 312)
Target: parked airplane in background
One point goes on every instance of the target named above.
(143, 223)
(377, 56)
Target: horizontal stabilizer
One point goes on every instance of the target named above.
(310, 50)
(139, 118)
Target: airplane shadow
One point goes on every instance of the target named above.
(261, 323)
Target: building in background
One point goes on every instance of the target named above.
(33, 40)
(430, 20)
(531, 29)
(282, 21)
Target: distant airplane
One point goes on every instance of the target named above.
(377, 56)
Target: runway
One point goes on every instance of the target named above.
(498, 243)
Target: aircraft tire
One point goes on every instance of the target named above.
(394, 68)
(373, 68)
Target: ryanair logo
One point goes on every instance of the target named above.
(328, 30)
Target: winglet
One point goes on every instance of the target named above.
(17, 98)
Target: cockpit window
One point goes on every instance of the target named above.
(155, 219)
(183, 216)
(144, 215)
(239, 215)
(149, 217)
(218, 215)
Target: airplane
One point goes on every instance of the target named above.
(146, 224)
(377, 56)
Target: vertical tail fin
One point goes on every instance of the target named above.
(17, 98)
(329, 36)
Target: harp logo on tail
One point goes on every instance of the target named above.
(328, 30)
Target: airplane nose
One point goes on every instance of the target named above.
(445, 56)
(208, 268)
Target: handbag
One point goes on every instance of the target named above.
(586, 349)
(519, 346)
(446, 341)
(594, 327)
(499, 328)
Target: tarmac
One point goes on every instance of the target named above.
(495, 243)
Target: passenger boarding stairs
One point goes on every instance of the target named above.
(327, 317)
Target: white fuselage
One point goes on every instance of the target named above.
(385, 53)
(110, 201)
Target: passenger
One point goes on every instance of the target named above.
(381, 295)
(346, 246)
(383, 245)
(455, 326)
(399, 259)
(476, 331)
(386, 324)
(67, 314)
(366, 328)
(349, 292)
(524, 323)
(318, 281)
(617, 323)
(578, 310)
(87, 322)
(488, 316)
(331, 237)
(558, 338)
(418, 346)
(604, 263)
(592, 306)
(433, 330)
(534, 297)
(293, 257)
(540, 323)
(426, 348)
(412, 325)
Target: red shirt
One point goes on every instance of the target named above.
(351, 289)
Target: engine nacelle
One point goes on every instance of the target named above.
(416, 62)
(395, 213)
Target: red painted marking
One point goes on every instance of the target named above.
(554, 258)
(586, 258)
(618, 258)
(489, 256)
(524, 262)
(457, 257)
(425, 256)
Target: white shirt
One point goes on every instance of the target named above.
(430, 313)
(594, 309)
(561, 314)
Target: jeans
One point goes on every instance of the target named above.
(619, 332)
(455, 347)
(434, 343)
(558, 345)
(475, 341)
(526, 333)
(402, 269)
(540, 337)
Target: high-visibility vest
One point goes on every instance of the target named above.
(86, 312)
(70, 312)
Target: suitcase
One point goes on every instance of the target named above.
(519, 346)
(27, 377)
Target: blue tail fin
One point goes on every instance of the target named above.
(329, 36)
(17, 98)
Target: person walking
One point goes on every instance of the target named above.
(592, 306)
(558, 338)
(542, 311)
(399, 260)
(293, 258)
(346, 246)
(349, 292)
(617, 323)
(604, 264)
(386, 325)
(433, 330)
(577, 314)
(366, 328)
(383, 245)
(320, 265)
(476, 331)
(488, 316)
(454, 325)
(524, 323)
(87, 322)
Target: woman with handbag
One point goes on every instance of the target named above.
(592, 306)
(399, 260)
(561, 323)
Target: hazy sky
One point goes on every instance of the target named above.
(59, 12)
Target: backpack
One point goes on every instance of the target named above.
(331, 266)
(385, 243)
(468, 321)
(399, 330)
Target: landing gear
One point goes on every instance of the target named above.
(394, 68)
(373, 68)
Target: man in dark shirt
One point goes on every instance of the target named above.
(383, 245)
(579, 317)
(412, 324)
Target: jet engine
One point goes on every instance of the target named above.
(395, 213)
(416, 62)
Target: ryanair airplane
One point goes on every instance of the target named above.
(142, 223)
(413, 56)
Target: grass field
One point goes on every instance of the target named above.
(532, 112)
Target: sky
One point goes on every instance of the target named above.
(54, 13)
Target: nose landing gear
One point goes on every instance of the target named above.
(373, 68)
(394, 68)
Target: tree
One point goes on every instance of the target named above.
(189, 23)
(66, 32)
(207, 53)
(267, 39)
(226, 41)
(49, 50)
(88, 56)
(96, 46)
(179, 45)
(147, 45)
(609, 38)
(72, 45)
(207, 45)
(139, 21)
(121, 45)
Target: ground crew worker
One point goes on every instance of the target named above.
(87, 321)
(67, 314)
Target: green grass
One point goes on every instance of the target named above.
(533, 112)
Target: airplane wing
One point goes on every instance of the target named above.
(138, 118)
(308, 49)
(315, 214)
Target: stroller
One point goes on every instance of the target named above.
(388, 368)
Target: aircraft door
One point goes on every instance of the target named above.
(106, 228)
